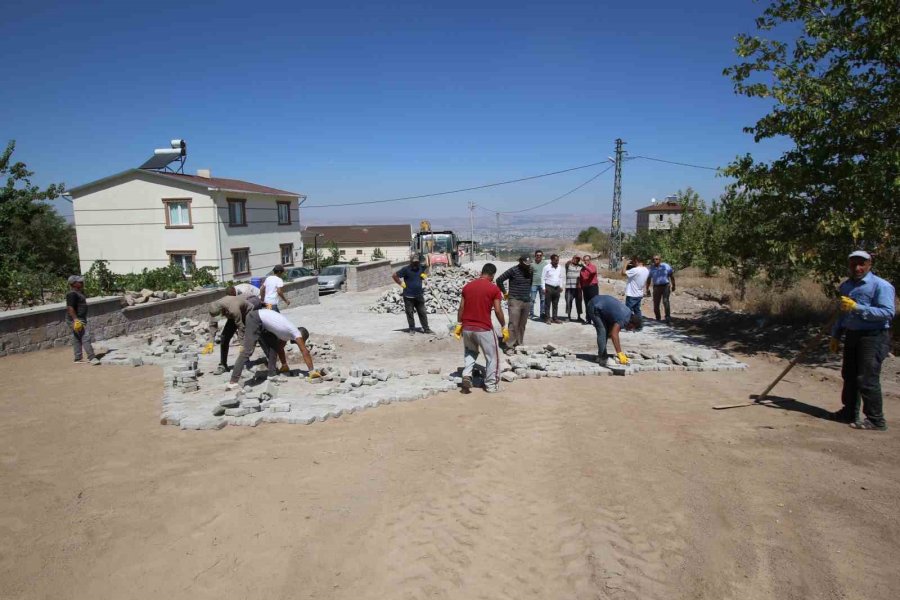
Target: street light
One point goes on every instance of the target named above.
(316, 252)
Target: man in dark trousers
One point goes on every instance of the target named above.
(867, 308)
(610, 316)
(234, 308)
(479, 298)
(662, 277)
(76, 317)
(410, 279)
(518, 296)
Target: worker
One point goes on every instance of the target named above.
(867, 308)
(662, 276)
(234, 308)
(537, 284)
(76, 318)
(272, 290)
(271, 329)
(518, 297)
(573, 287)
(590, 286)
(247, 290)
(410, 278)
(610, 316)
(637, 275)
(474, 326)
(553, 278)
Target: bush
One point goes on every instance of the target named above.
(100, 281)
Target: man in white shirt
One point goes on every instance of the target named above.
(272, 330)
(553, 278)
(271, 292)
(637, 275)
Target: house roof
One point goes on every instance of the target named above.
(207, 183)
(669, 207)
(366, 235)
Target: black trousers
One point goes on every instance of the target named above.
(413, 306)
(864, 351)
(552, 295)
(227, 333)
(589, 293)
(254, 332)
(573, 295)
(661, 293)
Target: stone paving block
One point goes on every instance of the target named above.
(218, 411)
(324, 391)
(509, 376)
(271, 389)
(202, 423)
(354, 380)
(280, 407)
(238, 412)
(434, 370)
(251, 403)
(369, 380)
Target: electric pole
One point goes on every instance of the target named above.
(497, 248)
(471, 232)
(615, 234)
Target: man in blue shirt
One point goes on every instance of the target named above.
(410, 279)
(662, 278)
(610, 316)
(867, 308)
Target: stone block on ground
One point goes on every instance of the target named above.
(201, 423)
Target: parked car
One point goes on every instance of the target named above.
(333, 278)
(292, 273)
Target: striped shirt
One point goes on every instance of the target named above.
(572, 273)
(519, 283)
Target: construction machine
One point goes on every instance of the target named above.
(436, 248)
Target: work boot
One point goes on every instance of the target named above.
(426, 330)
(221, 369)
(95, 361)
(466, 387)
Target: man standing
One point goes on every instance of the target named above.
(272, 292)
(518, 298)
(590, 286)
(637, 275)
(537, 284)
(271, 329)
(573, 286)
(76, 318)
(410, 279)
(552, 279)
(234, 308)
(867, 308)
(609, 318)
(662, 276)
(479, 298)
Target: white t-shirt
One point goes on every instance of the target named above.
(637, 279)
(278, 324)
(272, 284)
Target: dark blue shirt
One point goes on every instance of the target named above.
(874, 305)
(660, 275)
(611, 311)
(413, 279)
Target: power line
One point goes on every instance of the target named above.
(672, 162)
(572, 191)
(468, 189)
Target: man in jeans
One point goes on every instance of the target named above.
(637, 275)
(76, 317)
(410, 279)
(537, 284)
(553, 280)
(474, 326)
(867, 308)
(662, 276)
(518, 299)
(609, 316)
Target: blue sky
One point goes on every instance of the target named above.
(360, 101)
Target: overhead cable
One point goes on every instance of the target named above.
(572, 191)
(672, 162)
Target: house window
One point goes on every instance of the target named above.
(178, 213)
(343, 252)
(359, 252)
(287, 254)
(237, 213)
(184, 259)
(659, 218)
(240, 261)
(284, 213)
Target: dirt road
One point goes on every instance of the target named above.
(574, 488)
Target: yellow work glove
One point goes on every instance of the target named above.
(403, 284)
(208, 348)
(457, 331)
(505, 296)
(78, 325)
(314, 374)
(505, 333)
(834, 345)
(424, 276)
(623, 360)
(847, 304)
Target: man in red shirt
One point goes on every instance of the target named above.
(475, 328)
(590, 286)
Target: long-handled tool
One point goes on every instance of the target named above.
(761, 399)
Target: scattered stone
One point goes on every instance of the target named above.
(202, 423)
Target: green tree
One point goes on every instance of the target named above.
(599, 240)
(836, 95)
(377, 254)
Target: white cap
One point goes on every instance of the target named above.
(861, 254)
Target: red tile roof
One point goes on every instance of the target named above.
(359, 234)
(235, 185)
(663, 207)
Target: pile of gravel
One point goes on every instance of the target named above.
(442, 292)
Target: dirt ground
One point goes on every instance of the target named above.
(574, 488)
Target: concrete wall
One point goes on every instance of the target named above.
(369, 275)
(45, 327)
(653, 221)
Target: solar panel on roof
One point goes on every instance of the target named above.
(161, 158)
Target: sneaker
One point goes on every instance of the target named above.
(411, 331)
(230, 387)
(95, 361)
(868, 425)
(277, 378)
(492, 390)
(466, 387)
(556, 321)
(221, 369)
(427, 331)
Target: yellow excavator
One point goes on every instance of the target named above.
(436, 248)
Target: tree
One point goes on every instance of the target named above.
(598, 239)
(377, 254)
(836, 95)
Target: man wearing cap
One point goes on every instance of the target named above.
(610, 316)
(76, 318)
(479, 298)
(410, 279)
(867, 308)
(662, 277)
(234, 308)
(518, 298)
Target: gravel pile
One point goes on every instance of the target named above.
(442, 292)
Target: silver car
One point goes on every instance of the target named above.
(332, 279)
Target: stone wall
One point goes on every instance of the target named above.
(43, 327)
(370, 275)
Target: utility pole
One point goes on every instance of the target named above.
(615, 234)
(497, 247)
(471, 232)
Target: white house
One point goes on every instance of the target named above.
(360, 241)
(142, 218)
(661, 215)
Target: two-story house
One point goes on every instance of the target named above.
(659, 215)
(143, 218)
(361, 241)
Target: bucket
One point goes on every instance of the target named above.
(256, 281)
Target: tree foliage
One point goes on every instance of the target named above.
(836, 96)
(599, 240)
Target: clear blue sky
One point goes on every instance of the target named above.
(350, 102)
